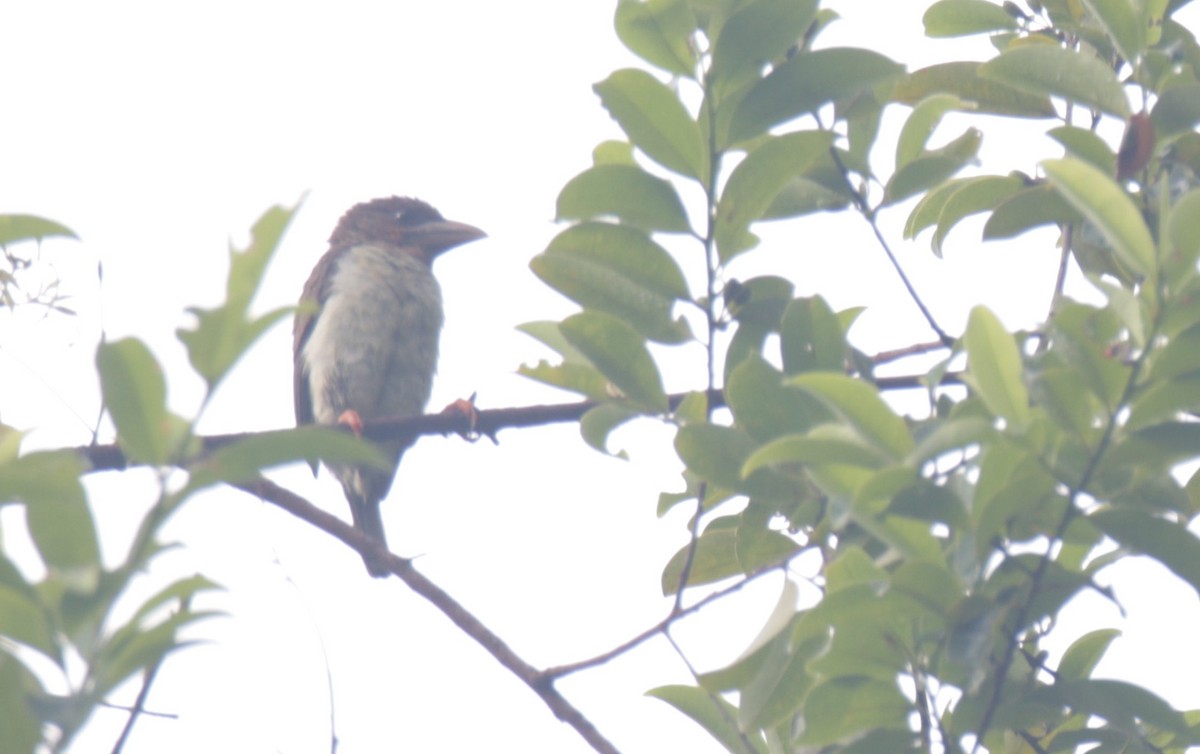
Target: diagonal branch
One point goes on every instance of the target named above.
(540, 683)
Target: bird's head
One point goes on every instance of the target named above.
(403, 222)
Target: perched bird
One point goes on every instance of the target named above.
(366, 343)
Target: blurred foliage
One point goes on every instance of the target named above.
(947, 542)
(102, 622)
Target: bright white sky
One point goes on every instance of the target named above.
(158, 133)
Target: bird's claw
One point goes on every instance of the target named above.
(465, 407)
(351, 419)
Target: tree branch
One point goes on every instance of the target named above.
(487, 423)
(536, 680)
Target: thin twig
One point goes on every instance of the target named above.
(868, 214)
(138, 706)
(673, 617)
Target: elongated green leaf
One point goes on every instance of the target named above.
(961, 78)
(1116, 701)
(758, 32)
(619, 270)
(619, 352)
(1044, 69)
(716, 454)
(922, 122)
(994, 366)
(1081, 657)
(1183, 228)
(659, 32)
(805, 83)
(1169, 543)
(970, 197)
(221, 335)
(626, 192)
(1027, 209)
(655, 120)
(757, 181)
(1123, 23)
(1109, 208)
(712, 713)
(934, 166)
(135, 395)
(860, 404)
(15, 228)
(1086, 145)
(957, 18)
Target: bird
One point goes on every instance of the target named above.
(365, 336)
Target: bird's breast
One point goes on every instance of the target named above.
(373, 347)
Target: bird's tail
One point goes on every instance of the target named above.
(367, 520)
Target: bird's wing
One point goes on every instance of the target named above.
(316, 290)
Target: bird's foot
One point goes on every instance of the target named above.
(466, 409)
(351, 419)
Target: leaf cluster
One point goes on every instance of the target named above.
(947, 542)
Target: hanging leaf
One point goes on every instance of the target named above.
(626, 192)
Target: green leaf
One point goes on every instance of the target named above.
(716, 454)
(957, 18)
(805, 83)
(839, 448)
(1177, 110)
(994, 368)
(1081, 657)
(934, 166)
(650, 113)
(596, 425)
(626, 192)
(1123, 24)
(1086, 145)
(1115, 701)
(758, 32)
(21, 725)
(1183, 229)
(960, 200)
(1109, 208)
(24, 621)
(1027, 209)
(712, 713)
(926, 501)
(811, 337)
(619, 270)
(619, 352)
(133, 649)
(1168, 542)
(962, 79)
(757, 181)
(135, 395)
(15, 228)
(660, 32)
(922, 122)
(763, 407)
(717, 557)
(223, 334)
(845, 707)
(1044, 69)
(860, 404)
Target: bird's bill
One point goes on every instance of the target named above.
(440, 235)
